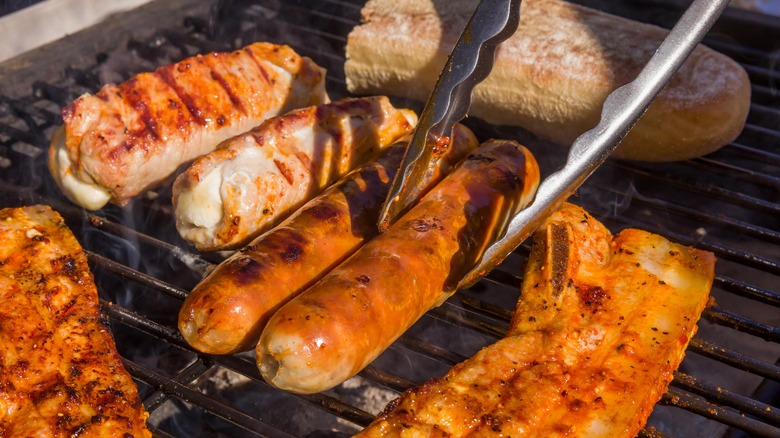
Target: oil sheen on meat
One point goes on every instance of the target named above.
(130, 137)
(601, 325)
(253, 181)
(60, 373)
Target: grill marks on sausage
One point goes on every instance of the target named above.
(260, 68)
(293, 252)
(166, 75)
(503, 180)
(325, 212)
(245, 270)
(135, 99)
(558, 242)
(234, 98)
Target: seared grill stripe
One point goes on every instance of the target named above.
(285, 171)
(231, 94)
(260, 67)
(135, 99)
(559, 239)
(167, 76)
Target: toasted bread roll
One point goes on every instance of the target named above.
(226, 312)
(343, 322)
(254, 180)
(602, 323)
(130, 137)
(554, 74)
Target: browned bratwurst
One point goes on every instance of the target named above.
(226, 312)
(339, 325)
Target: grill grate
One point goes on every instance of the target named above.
(727, 202)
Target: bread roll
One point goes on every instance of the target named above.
(554, 74)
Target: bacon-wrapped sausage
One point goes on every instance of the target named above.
(226, 312)
(130, 137)
(339, 325)
(252, 181)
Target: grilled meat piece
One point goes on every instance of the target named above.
(227, 311)
(601, 325)
(130, 137)
(343, 322)
(252, 181)
(60, 373)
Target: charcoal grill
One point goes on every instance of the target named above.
(727, 202)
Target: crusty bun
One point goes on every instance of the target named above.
(554, 74)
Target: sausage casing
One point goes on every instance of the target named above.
(130, 137)
(226, 312)
(254, 180)
(339, 325)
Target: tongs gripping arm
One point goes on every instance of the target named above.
(470, 62)
(621, 110)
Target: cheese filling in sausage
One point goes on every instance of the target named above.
(253, 181)
(339, 325)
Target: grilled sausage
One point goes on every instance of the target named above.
(130, 137)
(226, 312)
(335, 328)
(252, 181)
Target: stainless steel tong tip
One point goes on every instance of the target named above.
(470, 62)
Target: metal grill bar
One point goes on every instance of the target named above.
(728, 319)
(735, 359)
(725, 397)
(748, 290)
(706, 409)
(185, 393)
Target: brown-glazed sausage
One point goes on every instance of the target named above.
(339, 325)
(226, 312)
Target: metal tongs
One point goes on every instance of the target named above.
(470, 62)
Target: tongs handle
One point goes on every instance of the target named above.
(621, 110)
(470, 62)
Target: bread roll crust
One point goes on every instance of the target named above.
(554, 74)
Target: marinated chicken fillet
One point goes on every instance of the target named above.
(601, 325)
(226, 312)
(130, 137)
(60, 373)
(253, 181)
(335, 328)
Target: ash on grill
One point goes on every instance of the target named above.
(728, 203)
